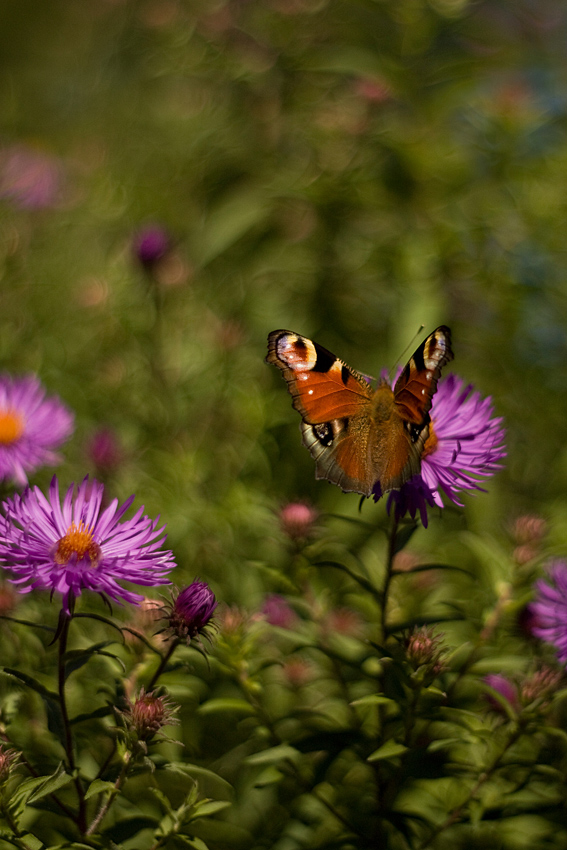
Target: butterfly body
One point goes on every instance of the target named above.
(361, 438)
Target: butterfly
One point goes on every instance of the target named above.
(363, 439)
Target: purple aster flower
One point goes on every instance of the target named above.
(190, 612)
(31, 427)
(549, 609)
(465, 444)
(73, 547)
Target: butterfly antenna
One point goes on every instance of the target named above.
(402, 358)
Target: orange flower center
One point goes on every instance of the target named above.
(11, 427)
(430, 444)
(78, 541)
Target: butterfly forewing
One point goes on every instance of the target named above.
(323, 388)
(416, 385)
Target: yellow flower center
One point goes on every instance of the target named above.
(11, 427)
(430, 444)
(78, 541)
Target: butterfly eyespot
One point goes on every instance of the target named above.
(324, 433)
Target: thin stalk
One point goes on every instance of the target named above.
(163, 663)
(106, 804)
(69, 747)
(391, 551)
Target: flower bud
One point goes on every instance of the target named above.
(297, 520)
(151, 244)
(191, 611)
(147, 714)
(8, 761)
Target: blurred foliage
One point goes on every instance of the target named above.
(348, 170)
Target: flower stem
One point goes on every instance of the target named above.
(69, 748)
(391, 551)
(106, 804)
(163, 663)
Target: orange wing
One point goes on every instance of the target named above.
(323, 388)
(415, 388)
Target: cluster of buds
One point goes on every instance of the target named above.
(528, 533)
(534, 691)
(424, 654)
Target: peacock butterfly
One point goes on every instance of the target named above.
(362, 439)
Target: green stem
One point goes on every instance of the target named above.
(106, 804)
(69, 748)
(391, 551)
(163, 663)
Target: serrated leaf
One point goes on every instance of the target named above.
(389, 750)
(99, 786)
(273, 755)
(225, 704)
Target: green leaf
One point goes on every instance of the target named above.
(364, 583)
(206, 808)
(195, 842)
(225, 704)
(269, 776)
(234, 216)
(425, 567)
(374, 699)
(28, 623)
(34, 789)
(209, 777)
(31, 683)
(99, 786)
(389, 750)
(273, 755)
(103, 711)
(76, 658)
(405, 533)
(32, 842)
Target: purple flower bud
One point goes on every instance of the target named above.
(147, 714)
(191, 611)
(278, 612)
(505, 688)
(104, 450)
(151, 243)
